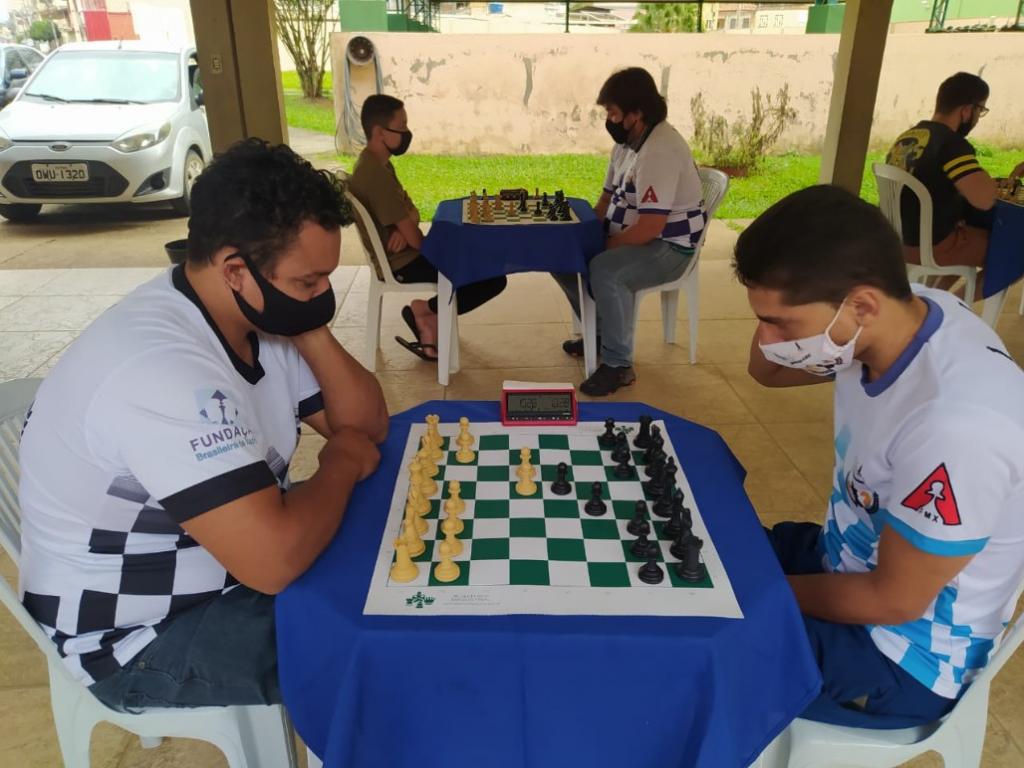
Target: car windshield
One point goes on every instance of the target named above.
(116, 77)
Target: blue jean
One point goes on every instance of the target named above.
(852, 667)
(615, 277)
(217, 653)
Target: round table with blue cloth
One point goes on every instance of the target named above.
(530, 691)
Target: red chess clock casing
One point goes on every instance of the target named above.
(532, 404)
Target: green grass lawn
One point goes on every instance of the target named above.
(311, 114)
(430, 179)
(290, 82)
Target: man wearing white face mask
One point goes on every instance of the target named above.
(907, 587)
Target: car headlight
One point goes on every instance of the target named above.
(4, 141)
(137, 140)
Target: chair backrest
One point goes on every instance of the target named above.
(375, 254)
(714, 183)
(891, 183)
(15, 398)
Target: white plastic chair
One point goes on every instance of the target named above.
(958, 737)
(891, 182)
(376, 258)
(249, 737)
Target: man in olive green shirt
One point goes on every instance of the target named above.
(376, 185)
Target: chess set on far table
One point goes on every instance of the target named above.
(589, 519)
(516, 207)
(1011, 190)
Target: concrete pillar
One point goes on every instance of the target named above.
(859, 64)
(237, 46)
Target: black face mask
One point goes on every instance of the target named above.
(282, 315)
(964, 128)
(403, 143)
(618, 131)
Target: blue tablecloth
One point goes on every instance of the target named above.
(468, 253)
(539, 691)
(1004, 260)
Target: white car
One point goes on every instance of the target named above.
(104, 122)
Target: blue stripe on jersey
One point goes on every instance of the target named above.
(922, 666)
(930, 545)
(861, 539)
(833, 541)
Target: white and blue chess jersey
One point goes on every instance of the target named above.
(935, 449)
(147, 421)
(661, 177)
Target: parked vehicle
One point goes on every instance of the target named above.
(104, 122)
(17, 62)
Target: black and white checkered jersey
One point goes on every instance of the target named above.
(148, 420)
(660, 178)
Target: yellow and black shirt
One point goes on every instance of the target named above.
(938, 157)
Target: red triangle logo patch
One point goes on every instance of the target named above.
(649, 196)
(934, 498)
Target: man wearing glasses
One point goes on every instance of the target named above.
(937, 153)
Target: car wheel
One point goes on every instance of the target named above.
(20, 211)
(194, 166)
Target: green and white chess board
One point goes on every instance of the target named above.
(543, 554)
(501, 215)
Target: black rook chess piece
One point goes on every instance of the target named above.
(690, 567)
(643, 437)
(607, 440)
(596, 506)
(651, 573)
(561, 485)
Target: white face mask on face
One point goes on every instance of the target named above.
(819, 354)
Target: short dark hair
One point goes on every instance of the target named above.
(633, 90)
(818, 244)
(255, 197)
(960, 90)
(378, 109)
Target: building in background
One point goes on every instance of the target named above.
(62, 15)
(107, 20)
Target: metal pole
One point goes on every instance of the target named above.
(566, 16)
(700, 17)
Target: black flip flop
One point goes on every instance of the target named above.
(410, 320)
(417, 349)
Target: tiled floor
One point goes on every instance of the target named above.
(783, 438)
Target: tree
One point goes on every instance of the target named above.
(42, 31)
(665, 17)
(302, 27)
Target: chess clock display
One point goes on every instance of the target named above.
(526, 403)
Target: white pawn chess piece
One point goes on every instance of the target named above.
(452, 519)
(413, 517)
(454, 544)
(404, 569)
(447, 570)
(455, 497)
(525, 473)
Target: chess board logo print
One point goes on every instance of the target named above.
(419, 600)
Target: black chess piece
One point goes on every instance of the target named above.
(559, 196)
(607, 440)
(651, 573)
(690, 567)
(678, 503)
(656, 485)
(643, 437)
(641, 546)
(596, 506)
(663, 504)
(678, 548)
(553, 213)
(561, 486)
(657, 443)
(674, 526)
(671, 469)
(620, 452)
(522, 201)
(639, 523)
(544, 201)
(656, 466)
(624, 470)
(536, 209)
(564, 213)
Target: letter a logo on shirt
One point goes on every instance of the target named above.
(649, 196)
(934, 498)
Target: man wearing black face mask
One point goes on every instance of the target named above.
(158, 519)
(937, 153)
(653, 210)
(376, 185)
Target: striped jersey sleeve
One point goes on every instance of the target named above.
(958, 160)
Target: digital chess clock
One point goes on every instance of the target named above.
(525, 403)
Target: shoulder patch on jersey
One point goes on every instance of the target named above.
(934, 498)
(649, 196)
